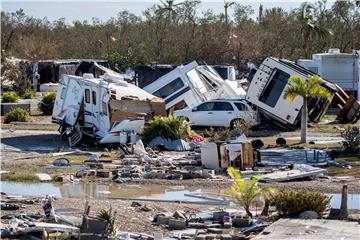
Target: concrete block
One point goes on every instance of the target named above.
(102, 174)
(210, 236)
(163, 220)
(213, 225)
(240, 222)
(177, 224)
(225, 237)
(200, 237)
(215, 230)
(227, 225)
(7, 107)
(218, 216)
(196, 225)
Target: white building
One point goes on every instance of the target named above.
(339, 68)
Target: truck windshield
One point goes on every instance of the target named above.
(274, 88)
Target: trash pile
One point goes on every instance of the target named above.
(222, 224)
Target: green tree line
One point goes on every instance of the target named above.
(176, 32)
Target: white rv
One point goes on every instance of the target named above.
(192, 84)
(266, 91)
(102, 108)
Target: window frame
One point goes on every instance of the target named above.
(87, 95)
(223, 102)
(267, 91)
(93, 97)
(205, 103)
(159, 93)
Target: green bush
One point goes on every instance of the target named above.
(170, 127)
(10, 97)
(351, 136)
(29, 94)
(291, 204)
(17, 115)
(47, 103)
(220, 135)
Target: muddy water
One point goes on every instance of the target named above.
(148, 191)
(102, 191)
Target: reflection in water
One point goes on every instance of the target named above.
(94, 190)
(103, 191)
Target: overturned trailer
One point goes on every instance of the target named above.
(189, 85)
(103, 109)
(266, 91)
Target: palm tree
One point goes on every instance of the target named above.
(169, 7)
(305, 89)
(244, 192)
(307, 16)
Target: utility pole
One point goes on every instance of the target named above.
(226, 6)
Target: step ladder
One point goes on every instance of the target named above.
(76, 137)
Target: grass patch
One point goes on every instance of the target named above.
(341, 172)
(20, 177)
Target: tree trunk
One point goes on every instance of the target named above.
(304, 115)
(265, 211)
(247, 209)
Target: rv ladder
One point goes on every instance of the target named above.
(75, 137)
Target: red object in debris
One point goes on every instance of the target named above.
(196, 138)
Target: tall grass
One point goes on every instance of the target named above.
(20, 177)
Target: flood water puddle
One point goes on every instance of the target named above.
(148, 191)
(101, 191)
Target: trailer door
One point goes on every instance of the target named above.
(68, 101)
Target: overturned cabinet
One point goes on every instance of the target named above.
(219, 155)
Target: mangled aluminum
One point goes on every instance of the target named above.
(104, 109)
(192, 84)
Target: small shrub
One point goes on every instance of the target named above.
(220, 135)
(108, 216)
(17, 115)
(29, 94)
(10, 97)
(47, 103)
(291, 204)
(351, 136)
(170, 127)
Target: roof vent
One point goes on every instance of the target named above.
(334, 51)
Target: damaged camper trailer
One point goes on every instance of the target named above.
(49, 71)
(102, 108)
(189, 85)
(266, 91)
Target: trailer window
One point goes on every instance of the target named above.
(104, 108)
(94, 97)
(87, 95)
(63, 92)
(169, 89)
(274, 88)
